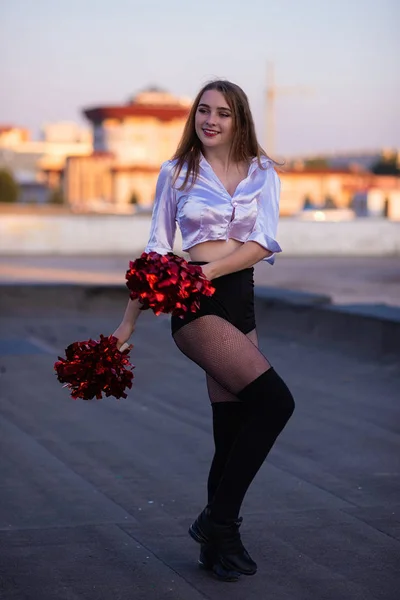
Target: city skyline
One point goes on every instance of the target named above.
(64, 58)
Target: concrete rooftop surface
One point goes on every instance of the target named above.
(96, 497)
(373, 280)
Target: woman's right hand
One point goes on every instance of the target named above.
(123, 333)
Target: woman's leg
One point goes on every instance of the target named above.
(229, 414)
(232, 360)
(270, 405)
(222, 351)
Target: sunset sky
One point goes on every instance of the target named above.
(59, 57)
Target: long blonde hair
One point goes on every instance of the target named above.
(244, 145)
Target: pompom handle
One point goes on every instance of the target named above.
(125, 346)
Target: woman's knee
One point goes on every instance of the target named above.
(272, 393)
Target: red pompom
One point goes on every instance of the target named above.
(95, 367)
(167, 283)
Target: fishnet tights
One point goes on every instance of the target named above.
(251, 405)
(216, 392)
(230, 358)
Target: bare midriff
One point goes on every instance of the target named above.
(213, 250)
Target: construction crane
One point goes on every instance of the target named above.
(272, 93)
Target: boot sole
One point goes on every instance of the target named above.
(199, 537)
(225, 575)
(219, 571)
(229, 567)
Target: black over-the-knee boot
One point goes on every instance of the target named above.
(228, 418)
(270, 405)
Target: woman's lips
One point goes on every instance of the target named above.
(210, 132)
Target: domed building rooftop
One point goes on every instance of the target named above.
(156, 96)
(152, 102)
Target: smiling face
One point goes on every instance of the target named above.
(214, 120)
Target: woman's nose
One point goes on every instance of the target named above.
(211, 119)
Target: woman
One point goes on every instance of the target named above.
(222, 190)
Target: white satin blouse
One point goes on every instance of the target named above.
(208, 212)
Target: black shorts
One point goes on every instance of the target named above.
(233, 300)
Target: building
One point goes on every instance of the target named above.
(88, 182)
(319, 188)
(130, 142)
(11, 136)
(362, 191)
(42, 161)
(66, 132)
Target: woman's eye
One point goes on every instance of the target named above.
(202, 110)
(224, 115)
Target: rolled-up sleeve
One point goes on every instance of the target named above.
(163, 223)
(266, 225)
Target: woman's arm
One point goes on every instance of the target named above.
(161, 240)
(266, 225)
(128, 323)
(163, 220)
(246, 256)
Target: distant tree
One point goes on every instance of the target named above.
(329, 202)
(387, 165)
(134, 198)
(9, 189)
(386, 208)
(308, 203)
(319, 164)
(56, 196)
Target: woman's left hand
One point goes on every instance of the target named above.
(208, 271)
